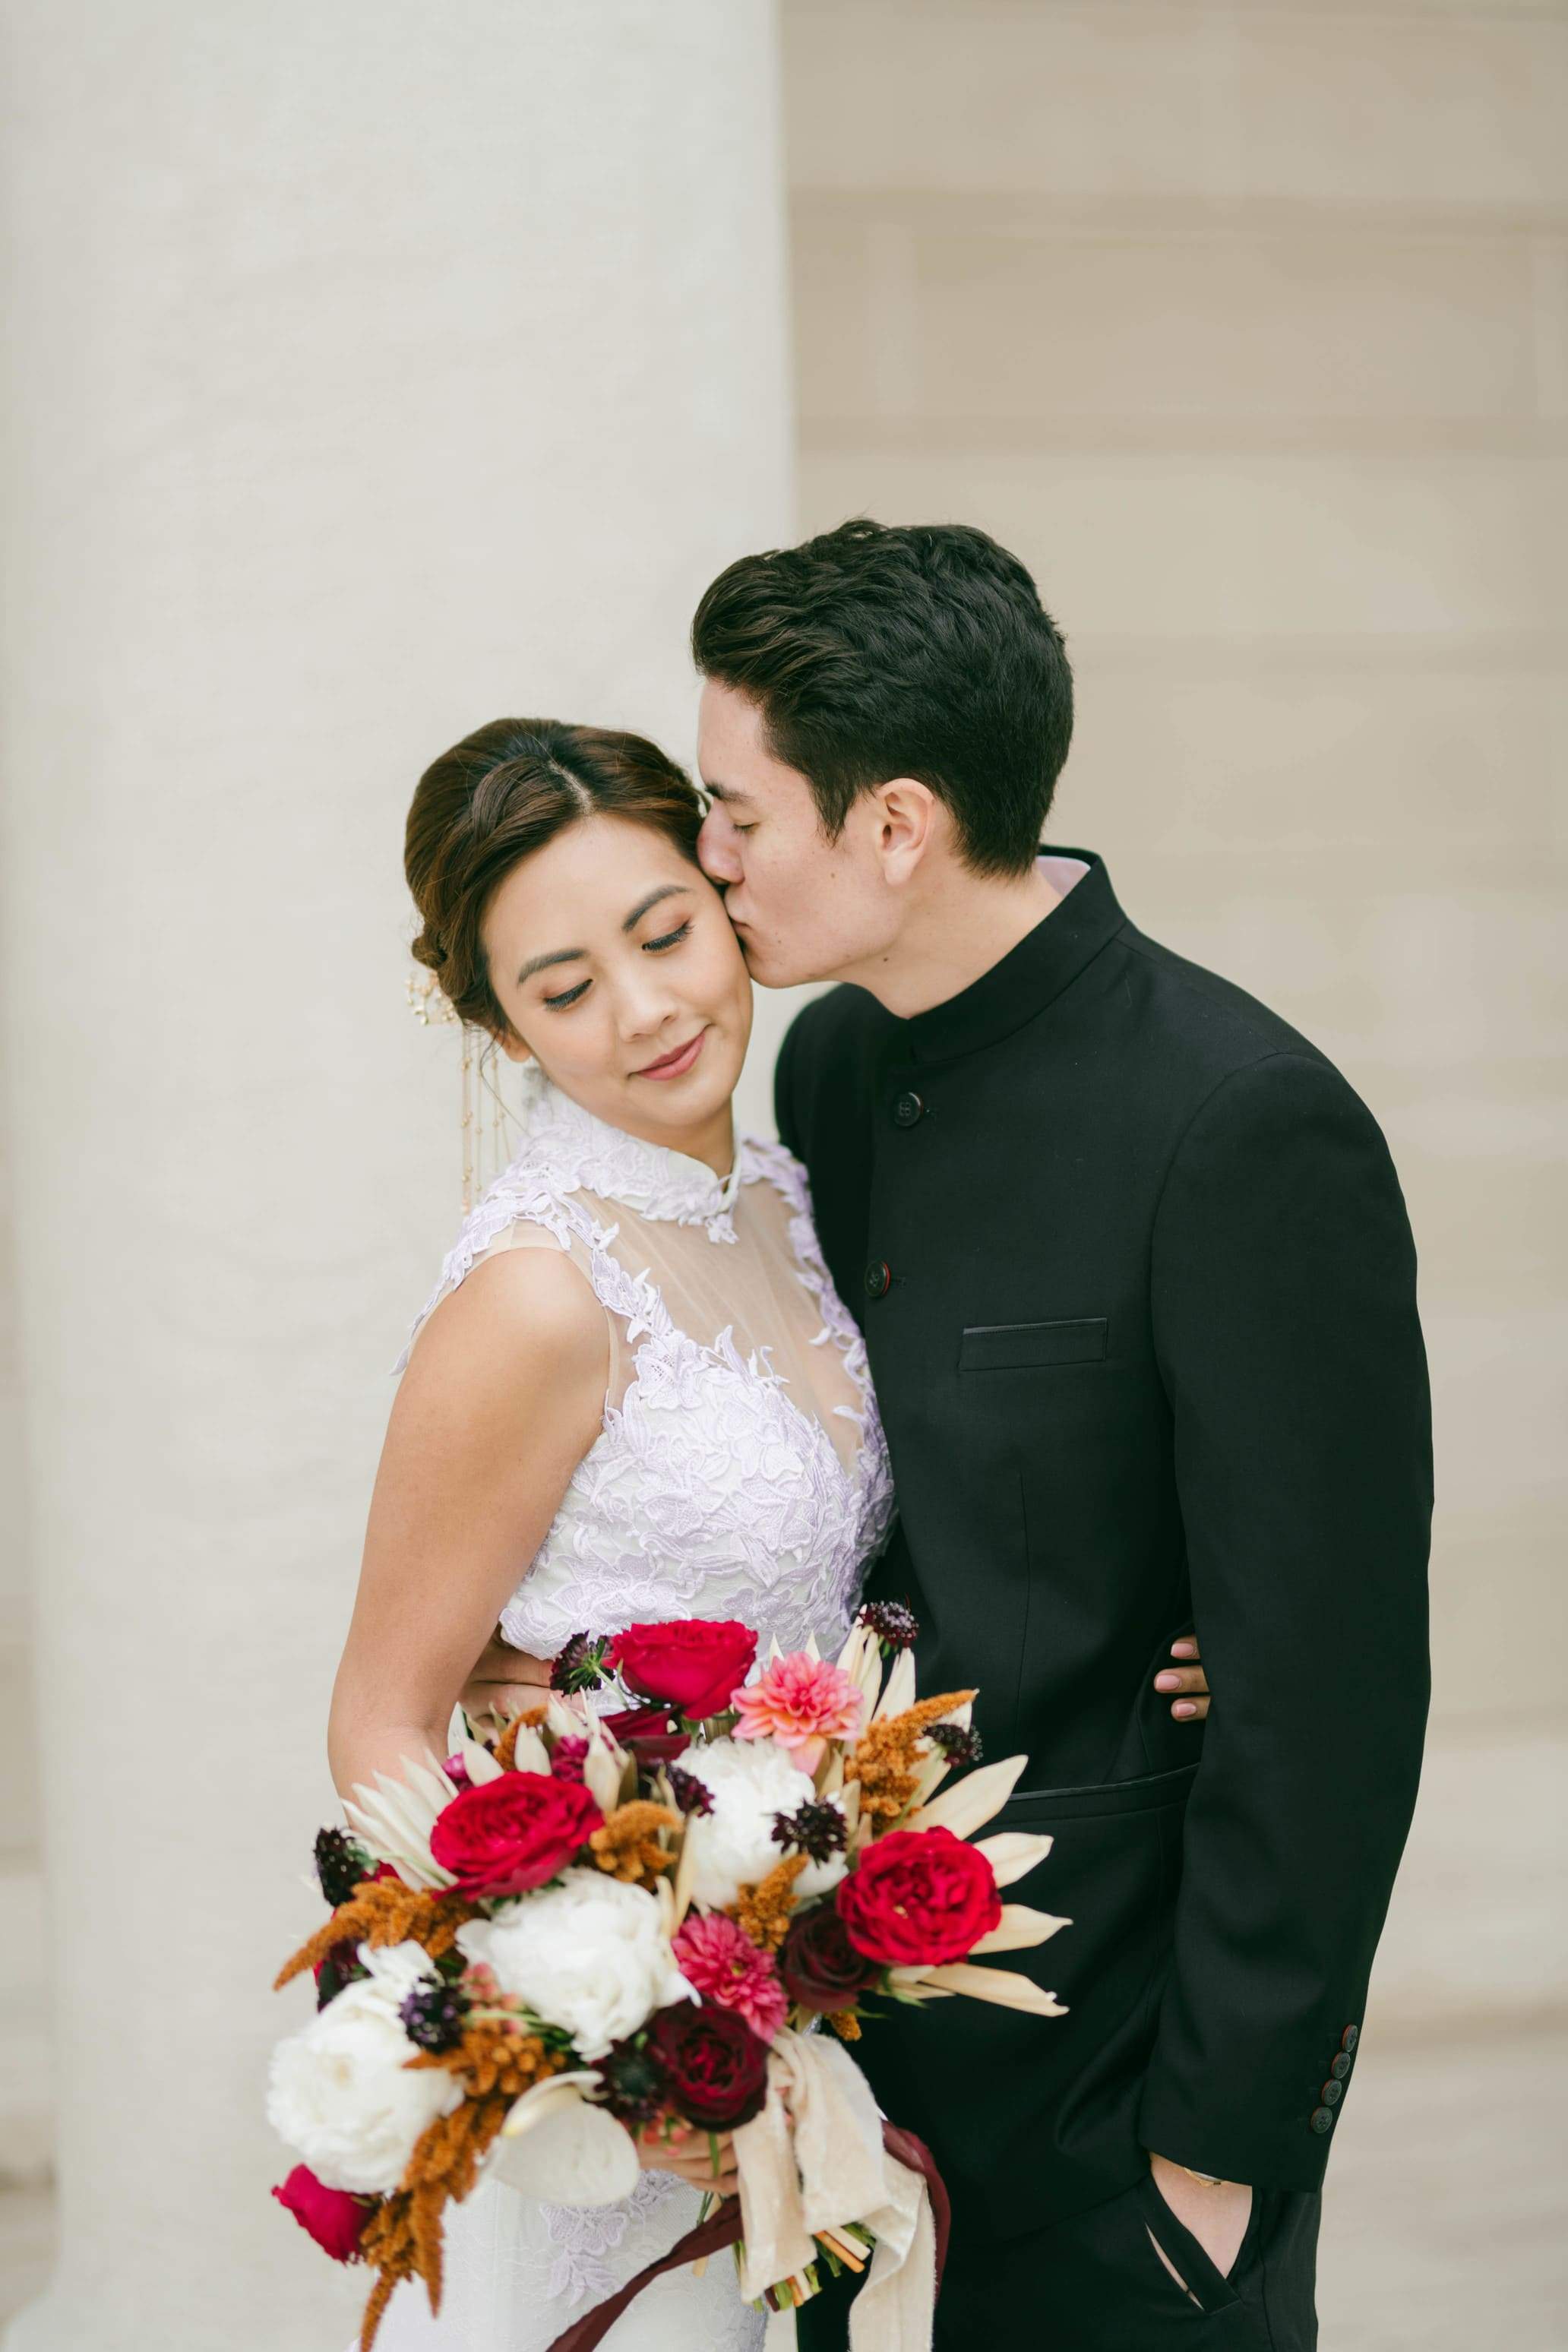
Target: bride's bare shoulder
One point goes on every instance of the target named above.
(520, 1314)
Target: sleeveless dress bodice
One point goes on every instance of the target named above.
(741, 1472)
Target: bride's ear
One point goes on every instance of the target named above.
(512, 1046)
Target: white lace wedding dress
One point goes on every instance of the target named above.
(741, 1472)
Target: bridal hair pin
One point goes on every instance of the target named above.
(486, 1118)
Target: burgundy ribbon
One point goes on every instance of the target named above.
(723, 2228)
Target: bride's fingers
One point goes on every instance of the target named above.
(1188, 1684)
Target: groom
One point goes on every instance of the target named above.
(1138, 1294)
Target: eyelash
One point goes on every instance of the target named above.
(650, 947)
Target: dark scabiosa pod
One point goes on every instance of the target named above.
(434, 2013)
(580, 1665)
(819, 1830)
(690, 1793)
(633, 2083)
(959, 1743)
(894, 1624)
(340, 1863)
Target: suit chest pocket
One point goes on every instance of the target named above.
(1015, 1346)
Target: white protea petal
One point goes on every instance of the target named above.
(971, 1803)
(830, 1773)
(686, 1868)
(477, 1762)
(427, 1778)
(565, 1717)
(387, 1833)
(1013, 1854)
(812, 1652)
(1002, 1986)
(933, 1770)
(899, 1690)
(602, 1772)
(1019, 1928)
(530, 1754)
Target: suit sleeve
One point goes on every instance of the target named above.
(1283, 1282)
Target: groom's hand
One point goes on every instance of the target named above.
(1217, 2214)
(504, 1680)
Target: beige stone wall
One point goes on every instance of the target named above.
(1248, 327)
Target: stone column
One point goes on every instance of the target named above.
(373, 370)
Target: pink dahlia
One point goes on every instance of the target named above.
(803, 1703)
(727, 1968)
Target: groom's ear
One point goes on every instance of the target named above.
(907, 819)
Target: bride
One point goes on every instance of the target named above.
(633, 1395)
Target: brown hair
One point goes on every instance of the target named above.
(497, 796)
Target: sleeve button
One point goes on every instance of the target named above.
(1349, 2038)
(1321, 2119)
(1332, 2093)
(1341, 2066)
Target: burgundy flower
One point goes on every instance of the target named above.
(648, 1732)
(336, 2221)
(716, 2067)
(919, 1896)
(695, 1663)
(513, 1833)
(820, 1967)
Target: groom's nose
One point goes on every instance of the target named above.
(717, 851)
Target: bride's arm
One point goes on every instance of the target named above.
(504, 1396)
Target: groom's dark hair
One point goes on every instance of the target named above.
(914, 649)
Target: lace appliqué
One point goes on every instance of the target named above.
(585, 2236)
(708, 1491)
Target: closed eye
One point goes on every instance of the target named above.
(569, 996)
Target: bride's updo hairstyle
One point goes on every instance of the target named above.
(495, 798)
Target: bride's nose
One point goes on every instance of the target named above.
(644, 1002)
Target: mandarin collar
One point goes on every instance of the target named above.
(1028, 976)
(584, 1153)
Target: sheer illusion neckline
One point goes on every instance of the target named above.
(588, 1154)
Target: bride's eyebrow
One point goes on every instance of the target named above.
(575, 955)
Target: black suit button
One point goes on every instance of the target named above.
(1341, 2066)
(879, 1278)
(908, 1110)
(1350, 2037)
(1332, 2094)
(1321, 2119)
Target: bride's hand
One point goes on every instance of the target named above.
(503, 1681)
(1188, 1682)
(687, 2154)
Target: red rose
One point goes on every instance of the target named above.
(715, 2066)
(919, 1896)
(819, 1964)
(645, 1731)
(335, 2220)
(696, 1664)
(513, 1833)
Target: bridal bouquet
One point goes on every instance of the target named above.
(670, 1916)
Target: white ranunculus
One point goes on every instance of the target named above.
(339, 2092)
(589, 1955)
(750, 1781)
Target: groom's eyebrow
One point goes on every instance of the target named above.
(723, 792)
(574, 955)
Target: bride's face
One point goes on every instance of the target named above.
(612, 957)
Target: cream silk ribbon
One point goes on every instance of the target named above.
(814, 2160)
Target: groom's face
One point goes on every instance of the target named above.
(804, 908)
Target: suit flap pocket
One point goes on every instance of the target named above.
(1009, 1347)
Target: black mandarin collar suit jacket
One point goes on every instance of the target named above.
(1139, 1295)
